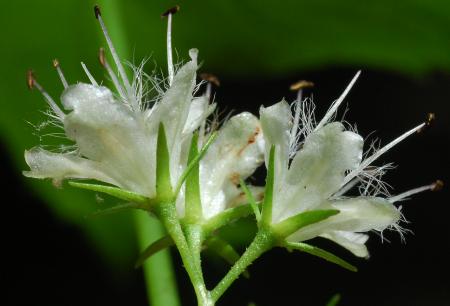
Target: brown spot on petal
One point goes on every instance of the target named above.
(250, 140)
(234, 178)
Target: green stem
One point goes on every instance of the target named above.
(146, 232)
(263, 241)
(167, 214)
(158, 270)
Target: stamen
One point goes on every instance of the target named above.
(380, 152)
(112, 75)
(347, 187)
(436, 186)
(114, 54)
(89, 75)
(431, 117)
(60, 73)
(32, 83)
(169, 14)
(336, 104)
(299, 86)
(210, 79)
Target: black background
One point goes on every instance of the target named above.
(45, 262)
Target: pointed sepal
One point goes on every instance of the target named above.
(163, 183)
(154, 248)
(251, 200)
(313, 250)
(225, 251)
(266, 214)
(294, 223)
(119, 193)
(192, 184)
(195, 161)
(335, 299)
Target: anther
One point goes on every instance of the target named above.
(170, 11)
(101, 57)
(211, 78)
(429, 121)
(112, 75)
(437, 185)
(55, 63)
(60, 73)
(30, 79)
(97, 11)
(301, 84)
(32, 83)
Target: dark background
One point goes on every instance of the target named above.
(46, 259)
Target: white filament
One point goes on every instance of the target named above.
(169, 49)
(295, 127)
(380, 152)
(411, 192)
(336, 103)
(89, 75)
(119, 66)
(61, 76)
(50, 101)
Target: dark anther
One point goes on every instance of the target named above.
(97, 11)
(171, 11)
(30, 79)
(209, 77)
(438, 185)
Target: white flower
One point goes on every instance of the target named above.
(328, 163)
(234, 155)
(115, 135)
(236, 152)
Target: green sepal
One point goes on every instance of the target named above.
(251, 200)
(266, 214)
(195, 161)
(313, 250)
(294, 223)
(192, 184)
(113, 191)
(154, 248)
(119, 208)
(225, 251)
(335, 299)
(227, 216)
(163, 184)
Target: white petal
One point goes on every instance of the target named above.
(360, 214)
(276, 125)
(199, 110)
(235, 154)
(353, 242)
(318, 169)
(45, 164)
(173, 111)
(108, 132)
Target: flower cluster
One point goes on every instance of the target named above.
(164, 155)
